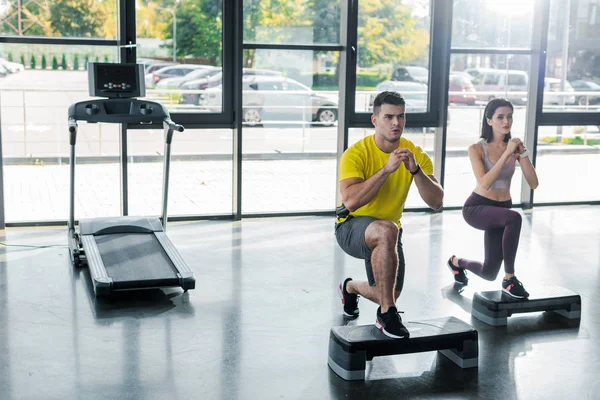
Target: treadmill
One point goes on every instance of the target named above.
(124, 253)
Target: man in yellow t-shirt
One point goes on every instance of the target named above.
(375, 176)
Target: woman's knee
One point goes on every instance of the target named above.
(514, 218)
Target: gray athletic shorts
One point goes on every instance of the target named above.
(350, 235)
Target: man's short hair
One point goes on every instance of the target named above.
(393, 98)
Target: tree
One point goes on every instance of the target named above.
(199, 30)
(86, 61)
(76, 18)
(32, 62)
(44, 62)
(63, 62)
(22, 59)
(22, 18)
(76, 62)
(54, 63)
(10, 57)
(276, 21)
(388, 33)
(326, 21)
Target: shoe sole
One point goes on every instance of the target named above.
(345, 314)
(513, 295)
(455, 275)
(386, 333)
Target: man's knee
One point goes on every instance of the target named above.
(382, 233)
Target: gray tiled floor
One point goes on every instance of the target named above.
(257, 324)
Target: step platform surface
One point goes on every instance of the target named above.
(494, 307)
(350, 347)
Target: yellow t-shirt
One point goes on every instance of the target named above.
(363, 159)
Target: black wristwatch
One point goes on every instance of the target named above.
(417, 171)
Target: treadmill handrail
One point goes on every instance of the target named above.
(168, 123)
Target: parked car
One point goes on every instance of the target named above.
(414, 93)
(276, 98)
(169, 72)
(215, 80)
(476, 72)
(411, 74)
(509, 84)
(154, 66)
(11, 67)
(554, 85)
(176, 81)
(586, 86)
(459, 83)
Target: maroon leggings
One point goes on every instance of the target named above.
(502, 228)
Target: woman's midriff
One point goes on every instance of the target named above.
(494, 194)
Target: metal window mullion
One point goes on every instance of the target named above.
(537, 72)
(234, 52)
(58, 41)
(440, 60)
(297, 47)
(347, 82)
(495, 51)
(127, 35)
(2, 217)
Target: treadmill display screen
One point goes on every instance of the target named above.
(114, 80)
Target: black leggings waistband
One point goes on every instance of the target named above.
(477, 200)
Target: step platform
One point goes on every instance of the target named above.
(494, 307)
(350, 347)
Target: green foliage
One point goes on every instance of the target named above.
(575, 140)
(579, 140)
(199, 31)
(86, 61)
(23, 59)
(32, 62)
(54, 63)
(76, 18)
(389, 33)
(10, 57)
(76, 62)
(44, 62)
(97, 59)
(63, 62)
(106, 59)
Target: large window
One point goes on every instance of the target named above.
(59, 18)
(475, 79)
(180, 44)
(395, 57)
(200, 178)
(292, 22)
(35, 97)
(290, 129)
(573, 146)
(492, 24)
(573, 63)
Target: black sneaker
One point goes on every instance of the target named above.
(390, 324)
(349, 300)
(460, 275)
(514, 288)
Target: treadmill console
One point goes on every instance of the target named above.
(116, 80)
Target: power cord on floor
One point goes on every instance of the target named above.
(33, 246)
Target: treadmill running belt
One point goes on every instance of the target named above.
(136, 260)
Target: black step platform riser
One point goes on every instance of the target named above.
(351, 347)
(494, 307)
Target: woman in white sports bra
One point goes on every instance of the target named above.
(493, 159)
